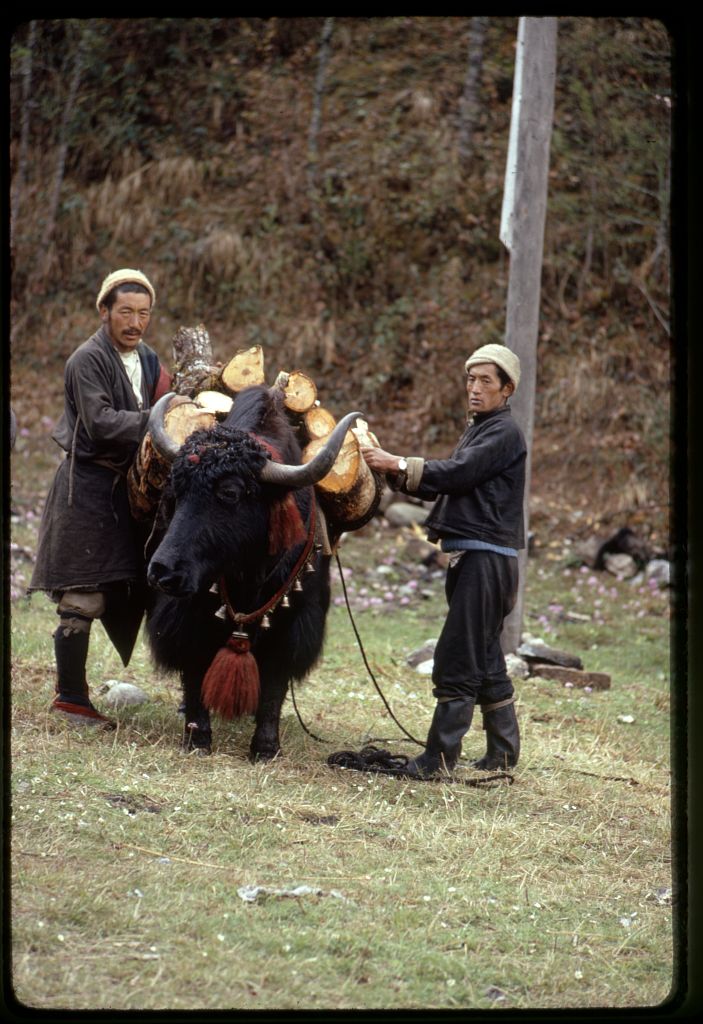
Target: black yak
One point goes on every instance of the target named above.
(240, 576)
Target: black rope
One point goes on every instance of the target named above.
(382, 762)
(305, 728)
(366, 662)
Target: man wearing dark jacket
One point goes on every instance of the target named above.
(478, 519)
(89, 556)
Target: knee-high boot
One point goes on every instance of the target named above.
(72, 695)
(502, 736)
(450, 723)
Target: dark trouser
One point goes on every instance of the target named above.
(481, 589)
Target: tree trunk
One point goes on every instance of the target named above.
(21, 174)
(469, 108)
(313, 132)
(523, 231)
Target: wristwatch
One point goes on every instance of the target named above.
(402, 465)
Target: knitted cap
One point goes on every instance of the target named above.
(124, 277)
(501, 355)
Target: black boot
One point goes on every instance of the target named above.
(72, 698)
(502, 737)
(450, 723)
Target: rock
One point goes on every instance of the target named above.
(574, 676)
(621, 565)
(403, 513)
(625, 542)
(660, 570)
(517, 667)
(422, 653)
(537, 651)
(425, 667)
(121, 694)
(587, 551)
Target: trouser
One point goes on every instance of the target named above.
(481, 590)
(76, 610)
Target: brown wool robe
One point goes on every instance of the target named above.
(87, 537)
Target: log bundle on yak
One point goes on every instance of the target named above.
(238, 564)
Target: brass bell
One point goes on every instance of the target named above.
(221, 613)
(309, 567)
(266, 622)
(285, 603)
(297, 586)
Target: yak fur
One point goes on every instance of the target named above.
(219, 520)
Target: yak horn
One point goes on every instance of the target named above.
(311, 472)
(164, 445)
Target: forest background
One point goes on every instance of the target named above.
(331, 189)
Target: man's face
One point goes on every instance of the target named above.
(128, 319)
(484, 389)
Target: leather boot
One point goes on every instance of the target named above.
(72, 699)
(502, 737)
(450, 723)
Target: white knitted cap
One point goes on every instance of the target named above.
(501, 355)
(124, 277)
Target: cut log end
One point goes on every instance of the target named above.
(244, 369)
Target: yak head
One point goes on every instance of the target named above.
(227, 487)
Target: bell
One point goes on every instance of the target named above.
(215, 588)
(297, 586)
(285, 603)
(266, 622)
(309, 567)
(221, 613)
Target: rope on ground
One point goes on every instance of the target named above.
(373, 759)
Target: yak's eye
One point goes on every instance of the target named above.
(229, 490)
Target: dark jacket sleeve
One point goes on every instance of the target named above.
(490, 452)
(91, 382)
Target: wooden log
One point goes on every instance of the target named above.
(214, 402)
(318, 422)
(194, 364)
(149, 471)
(246, 367)
(299, 391)
(350, 493)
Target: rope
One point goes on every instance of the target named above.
(382, 762)
(366, 662)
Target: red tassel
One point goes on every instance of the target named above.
(231, 684)
(286, 528)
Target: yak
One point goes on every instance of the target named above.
(238, 568)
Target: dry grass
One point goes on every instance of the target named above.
(127, 857)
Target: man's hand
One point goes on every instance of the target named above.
(381, 461)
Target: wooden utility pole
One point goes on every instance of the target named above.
(522, 232)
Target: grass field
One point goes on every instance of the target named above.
(555, 891)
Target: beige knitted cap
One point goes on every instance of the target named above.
(122, 277)
(501, 355)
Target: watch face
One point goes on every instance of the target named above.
(402, 465)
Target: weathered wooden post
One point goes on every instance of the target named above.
(522, 232)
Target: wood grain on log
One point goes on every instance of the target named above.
(246, 367)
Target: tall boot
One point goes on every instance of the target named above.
(72, 699)
(502, 736)
(450, 723)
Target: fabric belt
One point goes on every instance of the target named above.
(465, 544)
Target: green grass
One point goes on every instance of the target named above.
(127, 856)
